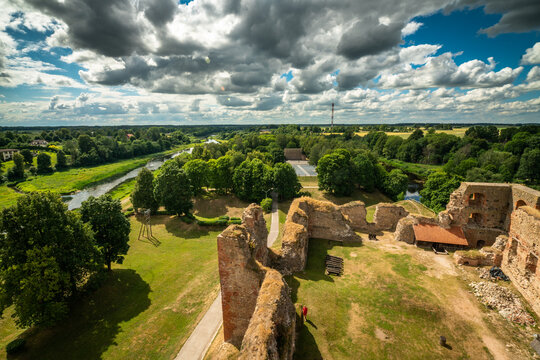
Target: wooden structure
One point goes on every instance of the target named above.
(334, 265)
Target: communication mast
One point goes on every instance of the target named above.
(332, 126)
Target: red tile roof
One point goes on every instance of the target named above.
(437, 234)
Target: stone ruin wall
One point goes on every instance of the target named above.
(258, 314)
(520, 256)
(259, 318)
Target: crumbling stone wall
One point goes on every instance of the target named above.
(355, 212)
(309, 218)
(388, 215)
(253, 221)
(521, 254)
(271, 331)
(240, 278)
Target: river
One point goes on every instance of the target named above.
(75, 200)
(412, 192)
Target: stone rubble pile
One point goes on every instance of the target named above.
(503, 300)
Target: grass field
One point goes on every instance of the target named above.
(147, 307)
(8, 196)
(389, 304)
(9, 164)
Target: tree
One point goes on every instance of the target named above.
(365, 171)
(27, 155)
(43, 259)
(252, 180)
(286, 181)
(110, 226)
(395, 183)
(44, 163)
(529, 166)
(143, 191)
(17, 171)
(61, 160)
(437, 189)
(391, 146)
(172, 188)
(221, 174)
(336, 173)
(85, 143)
(197, 171)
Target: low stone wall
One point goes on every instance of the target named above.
(484, 257)
(309, 218)
(388, 215)
(271, 331)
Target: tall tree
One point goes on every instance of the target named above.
(336, 173)
(143, 196)
(172, 188)
(286, 181)
(61, 160)
(43, 259)
(197, 170)
(437, 189)
(221, 174)
(44, 163)
(252, 180)
(365, 171)
(27, 155)
(110, 226)
(529, 166)
(395, 183)
(17, 171)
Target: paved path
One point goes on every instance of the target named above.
(201, 338)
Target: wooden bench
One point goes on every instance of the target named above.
(334, 265)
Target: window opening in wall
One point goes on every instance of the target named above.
(475, 218)
(476, 199)
(480, 244)
(520, 203)
(531, 264)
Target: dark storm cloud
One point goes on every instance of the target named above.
(268, 103)
(160, 12)
(369, 37)
(107, 27)
(518, 15)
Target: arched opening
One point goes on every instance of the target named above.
(520, 203)
(475, 219)
(480, 244)
(465, 263)
(476, 199)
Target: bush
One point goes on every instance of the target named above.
(235, 221)
(213, 222)
(15, 346)
(235, 218)
(224, 217)
(266, 205)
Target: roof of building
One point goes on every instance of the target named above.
(4, 150)
(293, 154)
(436, 234)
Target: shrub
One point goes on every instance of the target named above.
(235, 221)
(224, 217)
(15, 346)
(212, 222)
(266, 205)
(235, 218)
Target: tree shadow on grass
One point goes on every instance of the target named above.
(93, 321)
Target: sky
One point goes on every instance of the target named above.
(188, 62)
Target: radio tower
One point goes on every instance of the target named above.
(332, 127)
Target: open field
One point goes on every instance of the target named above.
(73, 179)
(8, 197)
(146, 308)
(389, 304)
(9, 164)
(368, 198)
(211, 205)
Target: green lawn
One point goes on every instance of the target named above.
(8, 197)
(387, 305)
(368, 198)
(123, 190)
(73, 179)
(147, 307)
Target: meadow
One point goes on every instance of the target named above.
(146, 308)
(389, 304)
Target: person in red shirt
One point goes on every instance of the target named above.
(304, 312)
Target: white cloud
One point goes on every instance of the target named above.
(411, 28)
(532, 55)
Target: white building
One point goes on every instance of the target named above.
(7, 154)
